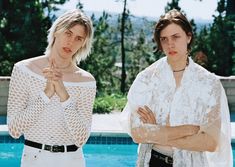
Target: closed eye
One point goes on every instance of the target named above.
(176, 36)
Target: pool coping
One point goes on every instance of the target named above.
(4, 132)
(111, 133)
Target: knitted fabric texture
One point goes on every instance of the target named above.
(44, 120)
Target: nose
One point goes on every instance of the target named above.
(171, 43)
(69, 41)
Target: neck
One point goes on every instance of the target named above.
(179, 66)
(64, 65)
(60, 62)
(179, 70)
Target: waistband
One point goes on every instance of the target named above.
(51, 148)
(164, 152)
(165, 158)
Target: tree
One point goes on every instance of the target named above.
(102, 59)
(139, 56)
(221, 43)
(230, 8)
(125, 25)
(230, 13)
(23, 30)
(216, 42)
(123, 75)
(201, 44)
(174, 4)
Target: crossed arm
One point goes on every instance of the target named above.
(188, 137)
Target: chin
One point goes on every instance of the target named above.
(173, 58)
(65, 56)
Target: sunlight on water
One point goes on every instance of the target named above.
(116, 155)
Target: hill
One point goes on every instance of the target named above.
(138, 22)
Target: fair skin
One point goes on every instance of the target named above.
(58, 66)
(174, 44)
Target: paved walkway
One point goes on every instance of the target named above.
(106, 123)
(110, 123)
(101, 123)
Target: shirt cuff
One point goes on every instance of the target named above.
(44, 97)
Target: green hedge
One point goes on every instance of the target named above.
(108, 103)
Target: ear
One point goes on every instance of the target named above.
(55, 34)
(189, 36)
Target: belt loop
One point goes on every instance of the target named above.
(43, 147)
(65, 148)
(168, 160)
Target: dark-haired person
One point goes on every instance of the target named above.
(177, 111)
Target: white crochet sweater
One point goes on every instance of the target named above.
(48, 121)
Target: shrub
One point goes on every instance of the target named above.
(109, 103)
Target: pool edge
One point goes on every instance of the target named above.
(4, 132)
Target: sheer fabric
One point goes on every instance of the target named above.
(200, 100)
(44, 120)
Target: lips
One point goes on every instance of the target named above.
(67, 50)
(172, 53)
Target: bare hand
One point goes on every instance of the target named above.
(48, 74)
(193, 129)
(146, 115)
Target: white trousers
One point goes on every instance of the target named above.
(33, 157)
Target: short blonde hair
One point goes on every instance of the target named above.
(66, 21)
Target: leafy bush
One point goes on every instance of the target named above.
(5, 68)
(108, 103)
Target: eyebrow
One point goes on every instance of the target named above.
(77, 35)
(170, 35)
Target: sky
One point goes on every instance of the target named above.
(152, 8)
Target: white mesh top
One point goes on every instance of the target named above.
(48, 121)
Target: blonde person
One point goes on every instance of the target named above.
(51, 98)
(177, 111)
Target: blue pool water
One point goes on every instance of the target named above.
(96, 155)
(233, 155)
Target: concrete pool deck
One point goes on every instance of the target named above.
(108, 125)
(102, 125)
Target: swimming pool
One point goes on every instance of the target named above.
(3, 118)
(100, 150)
(96, 155)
